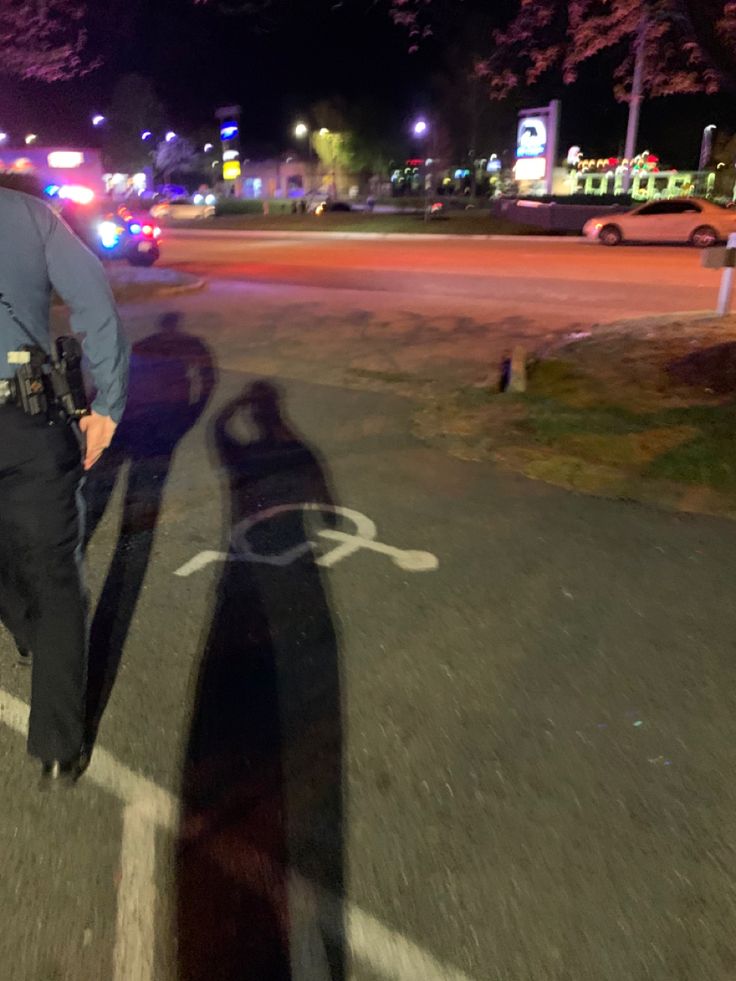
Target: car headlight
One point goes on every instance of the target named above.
(198, 199)
(210, 199)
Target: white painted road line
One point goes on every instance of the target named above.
(147, 807)
(135, 932)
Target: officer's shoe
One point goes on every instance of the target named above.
(57, 774)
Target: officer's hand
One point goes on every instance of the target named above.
(98, 432)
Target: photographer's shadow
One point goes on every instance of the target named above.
(260, 863)
(172, 377)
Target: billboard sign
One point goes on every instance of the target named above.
(536, 144)
(531, 138)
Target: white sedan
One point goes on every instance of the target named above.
(686, 220)
(182, 210)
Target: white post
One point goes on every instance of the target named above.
(725, 294)
(636, 98)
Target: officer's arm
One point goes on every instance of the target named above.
(79, 278)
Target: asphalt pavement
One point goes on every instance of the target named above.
(548, 279)
(444, 723)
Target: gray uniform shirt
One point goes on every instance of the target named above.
(39, 252)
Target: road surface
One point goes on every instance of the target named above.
(443, 725)
(536, 276)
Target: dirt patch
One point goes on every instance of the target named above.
(712, 369)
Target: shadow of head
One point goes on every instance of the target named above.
(170, 321)
(263, 401)
(172, 376)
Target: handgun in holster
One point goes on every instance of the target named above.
(48, 386)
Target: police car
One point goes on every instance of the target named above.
(112, 232)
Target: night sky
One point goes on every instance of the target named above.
(278, 64)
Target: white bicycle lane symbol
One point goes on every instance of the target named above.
(346, 544)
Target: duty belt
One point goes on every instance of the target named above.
(6, 392)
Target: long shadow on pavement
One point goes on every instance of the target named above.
(262, 797)
(172, 377)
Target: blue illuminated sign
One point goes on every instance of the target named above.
(229, 131)
(532, 137)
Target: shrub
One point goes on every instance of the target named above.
(250, 206)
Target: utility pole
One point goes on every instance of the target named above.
(706, 146)
(636, 99)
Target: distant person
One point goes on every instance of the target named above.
(43, 601)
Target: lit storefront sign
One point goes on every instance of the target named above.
(229, 132)
(532, 137)
(531, 169)
(536, 144)
(65, 159)
(231, 170)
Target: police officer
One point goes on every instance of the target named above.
(42, 595)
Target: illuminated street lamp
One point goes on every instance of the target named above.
(301, 132)
(98, 120)
(3, 137)
(31, 138)
(208, 147)
(421, 129)
(171, 135)
(146, 134)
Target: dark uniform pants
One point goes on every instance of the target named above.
(42, 596)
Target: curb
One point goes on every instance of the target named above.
(143, 289)
(193, 287)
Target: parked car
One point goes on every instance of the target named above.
(182, 210)
(685, 220)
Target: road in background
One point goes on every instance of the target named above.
(346, 761)
(534, 276)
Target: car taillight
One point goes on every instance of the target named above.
(148, 231)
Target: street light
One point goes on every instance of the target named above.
(146, 134)
(3, 137)
(421, 129)
(31, 138)
(208, 147)
(301, 132)
(171, 135)
(98, 120)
